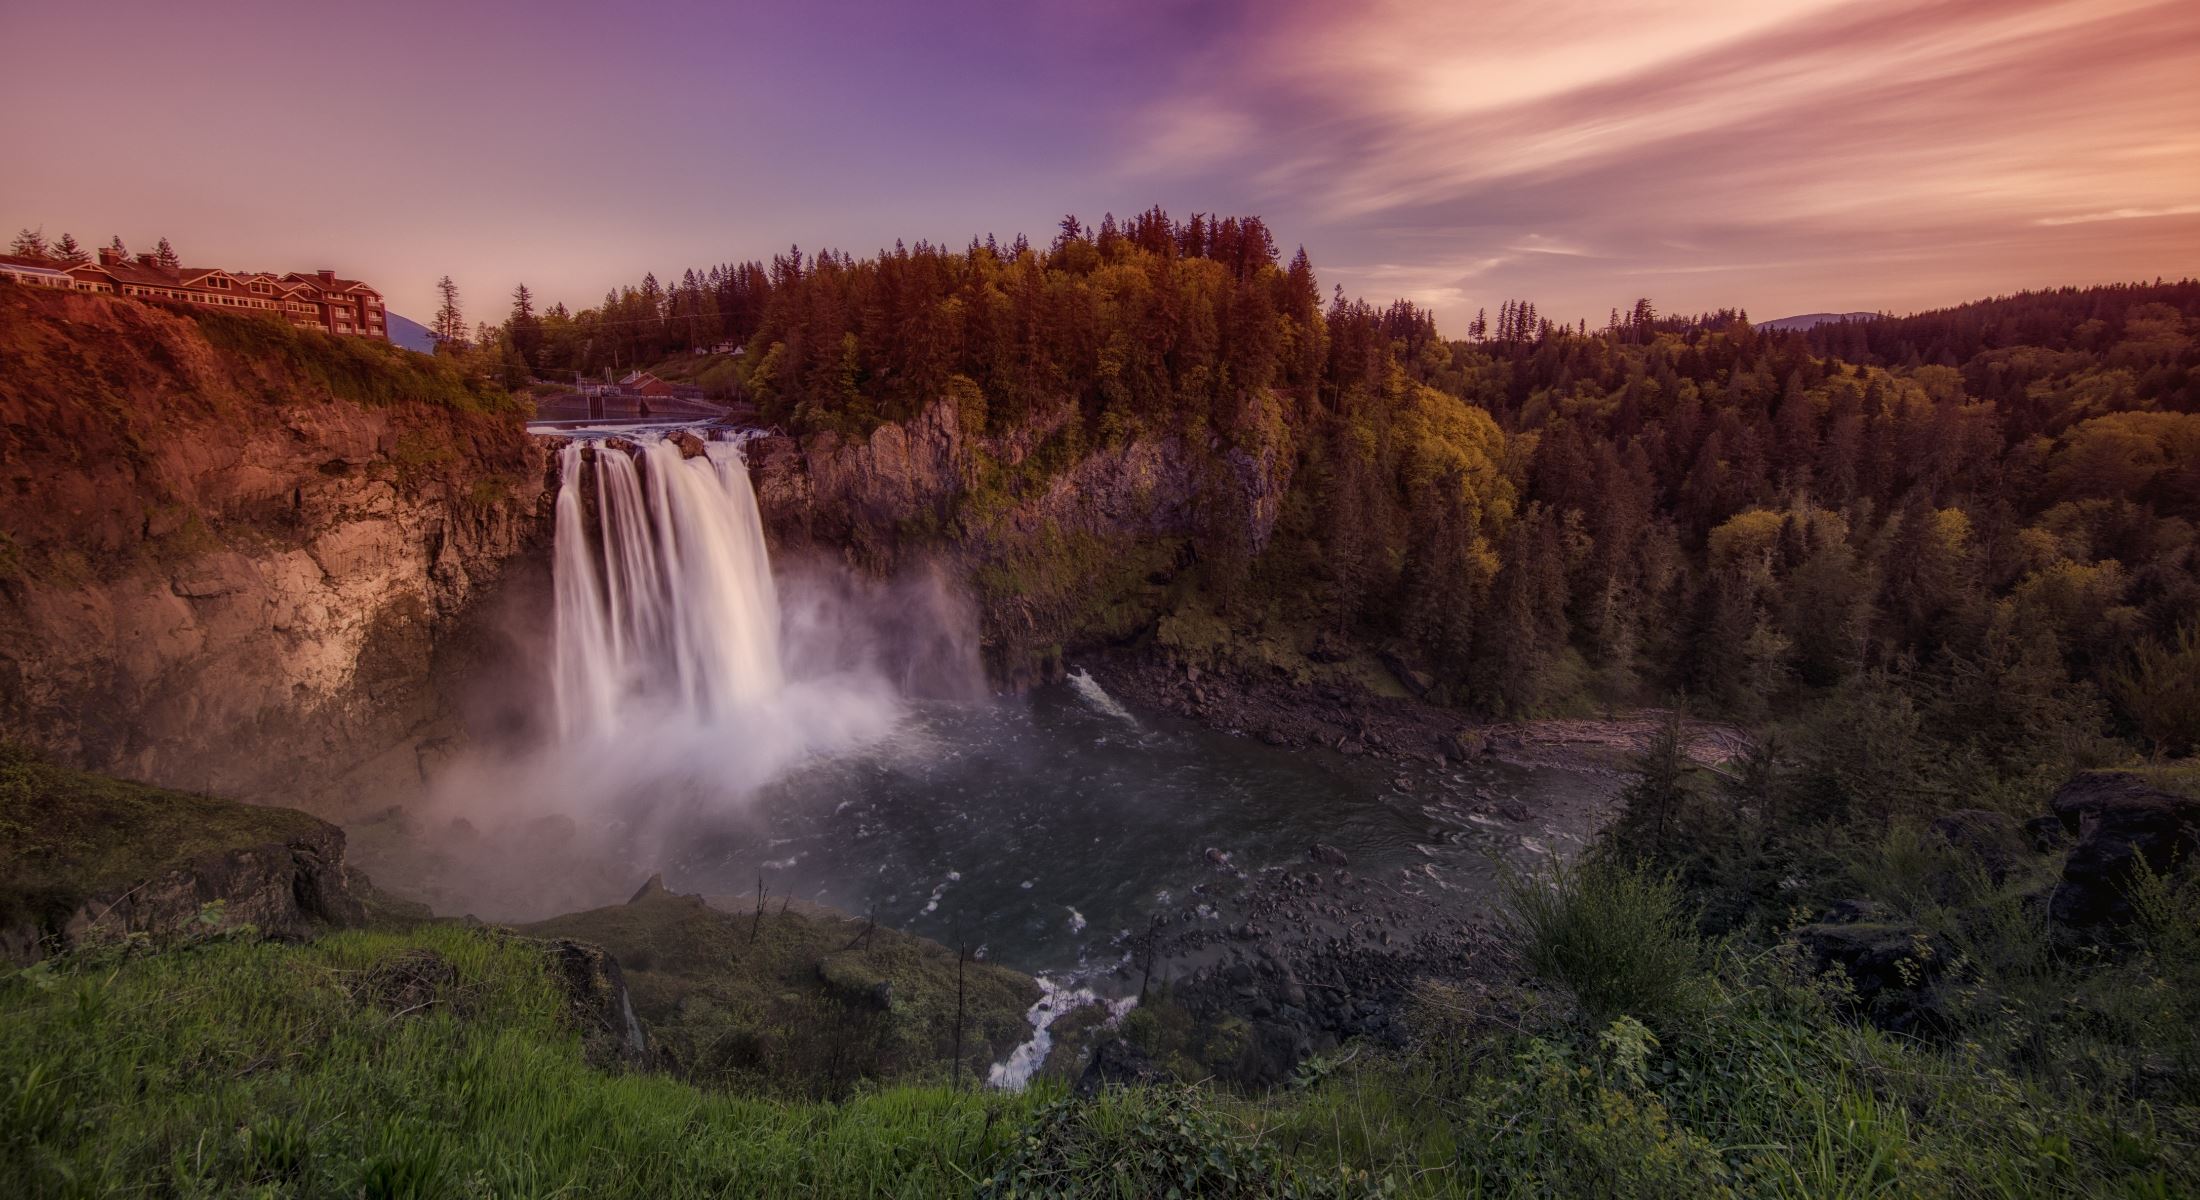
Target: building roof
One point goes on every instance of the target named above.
(146, 274)
(36, 266)
(332, 285)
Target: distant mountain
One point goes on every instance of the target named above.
(410, 334)
(1813, 320)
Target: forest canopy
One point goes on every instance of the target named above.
(2000, 496)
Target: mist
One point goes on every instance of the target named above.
(683, 673)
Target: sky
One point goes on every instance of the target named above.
(1781, 156)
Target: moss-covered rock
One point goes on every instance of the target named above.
(82, 856)
(800, 999)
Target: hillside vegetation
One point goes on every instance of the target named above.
(1989, 510)
(444, 1062)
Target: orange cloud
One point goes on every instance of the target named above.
(1841, 137)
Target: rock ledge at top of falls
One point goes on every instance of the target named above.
(232, 553)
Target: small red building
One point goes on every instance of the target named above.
(642, 383)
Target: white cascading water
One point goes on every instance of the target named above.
(665, 608)
(684, 677)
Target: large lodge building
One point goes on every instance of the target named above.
(317, 301)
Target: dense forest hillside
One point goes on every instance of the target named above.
(1999, 497)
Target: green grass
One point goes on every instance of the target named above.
(237, 1067)
(1615, 938)
(365, 371)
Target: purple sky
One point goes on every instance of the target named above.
(1783, 157)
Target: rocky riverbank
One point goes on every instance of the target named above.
(1296, 960)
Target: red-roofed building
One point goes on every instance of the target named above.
(642, 383)
(40, 272)
(317, 301)
(346, 305)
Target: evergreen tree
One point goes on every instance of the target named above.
(66, 251)
(30, 243)
(449, 324)
(523, 329)
(164, 255)
(1658, 793)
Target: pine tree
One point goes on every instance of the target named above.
(524, 330)
(165, 255)
(67, 251)
(449, 325)
(30, 243)
(115, 244)
(1657, 796)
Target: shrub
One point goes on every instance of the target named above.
(1613, 936)
(2160, 688)
(1132, 1144)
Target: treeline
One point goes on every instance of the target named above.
(2000, 496)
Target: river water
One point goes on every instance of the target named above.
(1046, 827)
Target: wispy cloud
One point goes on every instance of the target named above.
(2121, 214)
(1856, 149)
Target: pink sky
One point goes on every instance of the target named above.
(1783, 157)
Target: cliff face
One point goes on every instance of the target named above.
(231, 553)
(1064, 543)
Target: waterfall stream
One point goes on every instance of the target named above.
(666, 608)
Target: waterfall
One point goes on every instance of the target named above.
(665, 606)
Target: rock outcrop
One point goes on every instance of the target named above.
(1892, 969)
(2119, 821)
(1064, 543)
(599, 1004)
(289, 888)
(89, 857)
(231, 553)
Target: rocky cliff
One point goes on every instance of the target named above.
(232, 553)
(1063, 538)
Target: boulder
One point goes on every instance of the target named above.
(1890, 966)
(1327, 855)
(2119, 821)
(1848, 912)
(598, 1003)
(1412, 678)
(1118, 1063)
(1992, 839)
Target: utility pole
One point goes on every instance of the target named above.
(962, 955)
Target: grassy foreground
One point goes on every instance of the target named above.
(242, 1067)
(231, 1066)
